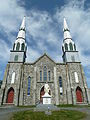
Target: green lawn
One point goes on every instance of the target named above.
(56, 115)
(70, 105)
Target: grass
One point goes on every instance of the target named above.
(70, 105)
(56, 115)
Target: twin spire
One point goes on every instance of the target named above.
(21, 33)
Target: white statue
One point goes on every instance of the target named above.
(46, 88)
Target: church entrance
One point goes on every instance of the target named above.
(10, 95)
(79, 95)
(42, 92)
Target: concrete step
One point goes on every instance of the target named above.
(81, 103)
(45, 107)
(8, 105)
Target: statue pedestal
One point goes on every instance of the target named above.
(46, 98)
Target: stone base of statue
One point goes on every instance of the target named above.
(46, 98)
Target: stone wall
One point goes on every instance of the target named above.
(26, 70)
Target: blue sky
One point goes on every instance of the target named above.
(44, 28)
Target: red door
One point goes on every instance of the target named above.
(10, 96)
(41, 94)
(79, 95)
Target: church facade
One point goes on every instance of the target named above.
(24, 83)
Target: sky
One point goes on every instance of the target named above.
(44, 29)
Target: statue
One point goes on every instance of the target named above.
(46, 88)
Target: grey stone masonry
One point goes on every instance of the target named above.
(25, 70)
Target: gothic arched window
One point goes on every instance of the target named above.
(66, 46)
(13, 78)
(29, 85)
(22, 46)
(74, 47)
(18, 46)
(76, 77)
(40, 75)
(70, 46)
(45, 73)
(48, 75)
(14, 46)
(62, 48)
(60, 85)
(60, 81)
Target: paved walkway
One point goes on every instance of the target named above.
(6, 112)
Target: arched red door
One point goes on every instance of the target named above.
(41, 94)
(79, 94)
(10, 95)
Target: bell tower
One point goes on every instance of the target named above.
(70, 54)
(18, 54)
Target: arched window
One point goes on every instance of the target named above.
(66, 46)
(29, 84)
(40, 75)
(14, 46)
(48, 75)
(45, 73)
(22, 46)
(70, 46)
(18, 46)
(62, 48)
(13, 78)
(60, 85)
(60, 81)
(76, 77)
(16, 58)
(74, 47)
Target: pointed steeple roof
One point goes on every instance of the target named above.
(66, 31)
(22, 27)
(65, 25)
(21, 33)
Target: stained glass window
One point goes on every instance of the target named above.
(45, 73)
(60, 85)
(40, 75)
(29, 84)
(48, 75)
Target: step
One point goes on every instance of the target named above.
(8, 105)
(44, 107)
(81, 103)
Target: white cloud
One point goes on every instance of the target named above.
(44, 29)
(79, 20)
(4, 51)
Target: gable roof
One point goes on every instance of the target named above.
(43, 56)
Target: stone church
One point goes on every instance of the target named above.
(24, 83)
